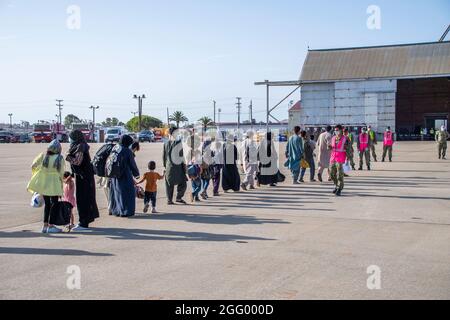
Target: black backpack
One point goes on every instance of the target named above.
(100, 158)
(113, 168)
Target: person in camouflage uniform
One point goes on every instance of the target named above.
(372, 143)
(351, 139)
(441, 139)
(363, 148)
(340, 152)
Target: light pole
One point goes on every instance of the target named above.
(10, 120)
(140, 98)
(93, 120)
(218, 113)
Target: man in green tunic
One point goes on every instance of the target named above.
(174, 162)
(441, 139)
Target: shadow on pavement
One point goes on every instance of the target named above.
(167, 235)
(211, 219)
(52, 252)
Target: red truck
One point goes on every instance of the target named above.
(46, 132)
(85, 128)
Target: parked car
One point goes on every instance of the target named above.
(114, 134)
(282, 138)
(22, 138)
(6, 137)
(146, 136)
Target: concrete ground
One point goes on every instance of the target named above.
(288, 242)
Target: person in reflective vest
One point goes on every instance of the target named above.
(372, 143)
(351, 139)
(340, 150)
(388, 144)
(363, 149)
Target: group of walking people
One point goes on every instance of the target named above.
(335, 153)
(215, 161)
(51, 181)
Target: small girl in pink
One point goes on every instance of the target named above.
(69, 194)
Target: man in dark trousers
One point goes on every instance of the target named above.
(174, 162)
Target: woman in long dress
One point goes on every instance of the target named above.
(268, 162)
(231, 179)
(80, 161)
(122, 190)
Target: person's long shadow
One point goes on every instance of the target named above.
(168, 235)
(52, 252)
(226, 219)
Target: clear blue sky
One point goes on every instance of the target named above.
(182, 54)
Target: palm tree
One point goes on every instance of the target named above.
(177, 117)
(206, 122)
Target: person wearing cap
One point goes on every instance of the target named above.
(47, 180)
(249, 161)
(340, 151)
(388, 144)
(363, 148)
(372, 143)
(441, 139)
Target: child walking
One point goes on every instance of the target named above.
(151, 178)
(195, 173)
(69, 195)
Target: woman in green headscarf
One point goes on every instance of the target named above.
(47, 180)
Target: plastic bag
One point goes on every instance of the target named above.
(347, 168)
(37, 201)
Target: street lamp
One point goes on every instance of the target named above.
(93, 120)
(140, 98)
(10, 120)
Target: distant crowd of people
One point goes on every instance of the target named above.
(208, 160)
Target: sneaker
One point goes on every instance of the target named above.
(338, 193)
(53, 230)
(335, 190)
(244, 187)
(368, 168)
(296, 182)
(146, 208)
(302, 181)
(44, 229)
(216, 194)
(360, 169)
(313, 180)
(181, 201)
(154, 210)
(252, 188)
(204, 197)
(197, 199)
(319, 176)
(79, 228)
(329, 179)
(170, 203)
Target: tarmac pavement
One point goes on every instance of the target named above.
(287, 242)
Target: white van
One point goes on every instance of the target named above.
(114, 134)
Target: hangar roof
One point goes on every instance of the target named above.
(395, 61)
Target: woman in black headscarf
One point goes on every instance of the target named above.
(80, 161)
(231, 179)
(268, 162)
(123, 192)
